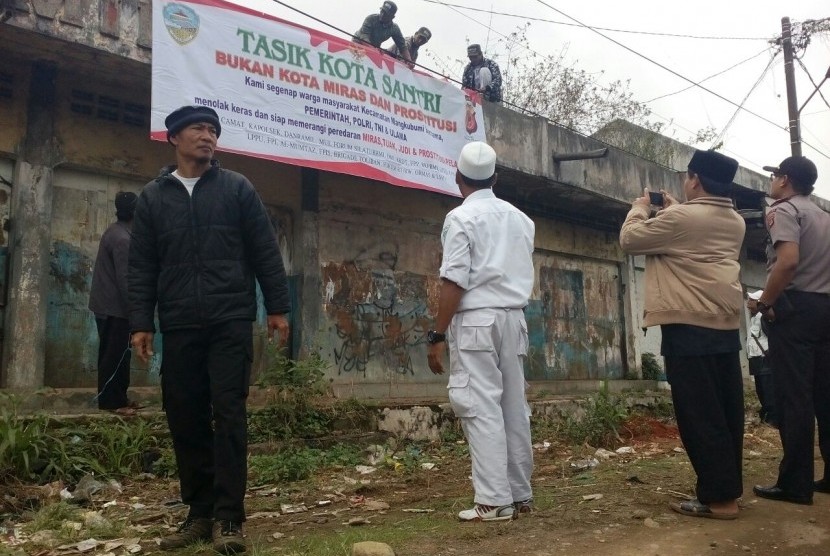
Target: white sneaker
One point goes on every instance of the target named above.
(488, 513)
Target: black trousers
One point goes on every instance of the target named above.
(761, 371)
(708, 396)
(113, 362)
(204, 378)
(799, 349)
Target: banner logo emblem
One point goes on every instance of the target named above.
(181, 21)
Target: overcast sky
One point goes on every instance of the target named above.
(750, 139)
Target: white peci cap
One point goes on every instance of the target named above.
(756, 295)
(477, 161)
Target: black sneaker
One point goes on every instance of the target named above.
(193, 530)
(227, 537)
(524, 506)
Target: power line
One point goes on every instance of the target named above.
(735, 114)
(658, 64)
(653, 33)
(813, 81)
(708, 78)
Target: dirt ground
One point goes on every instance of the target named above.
(415, 512)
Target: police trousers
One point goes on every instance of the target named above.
(799, 350)
(487, 393)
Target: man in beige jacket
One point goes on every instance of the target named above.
(694, 293)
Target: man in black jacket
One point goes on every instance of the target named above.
(201, 235)
(108, 300)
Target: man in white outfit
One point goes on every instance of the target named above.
(486, 280)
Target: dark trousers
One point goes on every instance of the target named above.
(113, 362)
(761, 371)
(204, 379)
(708, 396)
(799, 349)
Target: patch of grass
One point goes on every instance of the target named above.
(600, 424)
(24, 444)
(52, 516)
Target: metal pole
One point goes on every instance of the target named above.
(792, 102)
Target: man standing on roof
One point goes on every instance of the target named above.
(796, 309)
(377, 28)
(482, 75)
(413, 43)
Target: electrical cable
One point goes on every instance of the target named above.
(719, 137)
(800, 63)
(652, 33)
(707, 78)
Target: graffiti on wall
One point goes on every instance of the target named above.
(378, 313)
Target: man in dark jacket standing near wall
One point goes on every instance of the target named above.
(108, 300)
(200, 237)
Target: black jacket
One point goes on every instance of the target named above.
(197, 256)
(108, 294)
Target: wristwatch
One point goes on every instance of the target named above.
(763, 308)
(434, 337)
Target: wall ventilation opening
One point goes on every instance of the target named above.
(108, 108)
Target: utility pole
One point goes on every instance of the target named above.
(789, 74)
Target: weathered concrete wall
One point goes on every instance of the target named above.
(121, 27)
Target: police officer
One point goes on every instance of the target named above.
(796, 310)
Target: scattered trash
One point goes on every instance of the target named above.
(323, 502)
(115, 485)
(418, 510)
(679, 450)
(583, 464)
(753, 453)
(588, 497)
(375, 454)
(625, 450)
(134, 548)
(95, 519)
(138, 506)
(542, 446)
(293, 508)
(428, 466)
(602, 453)
(277, 535)
(264, 515)
(87, 545)
(365, 469)
(110, 504)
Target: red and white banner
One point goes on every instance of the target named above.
(292, 94)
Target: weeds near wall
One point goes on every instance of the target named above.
(24, 444)
(600, 424)
(650, 366)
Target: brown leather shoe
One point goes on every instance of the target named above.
(191, 531)
(227, 537)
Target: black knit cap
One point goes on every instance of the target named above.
(125, 202)
(715, 171)
(182, 117)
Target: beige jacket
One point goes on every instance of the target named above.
(692, 268)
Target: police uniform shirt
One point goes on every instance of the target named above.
(799, 220)
(488, 252)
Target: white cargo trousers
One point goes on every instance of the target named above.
(487, 392)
